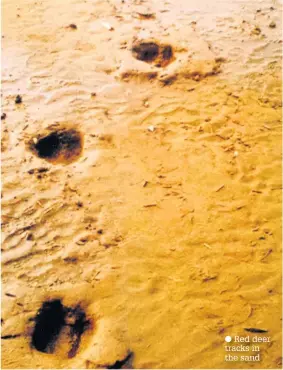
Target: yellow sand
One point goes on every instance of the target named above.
(167, 229)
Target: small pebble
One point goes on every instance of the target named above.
(272, 25)
(3, 116)
(30, 237)
(256, 31)
(18, 99)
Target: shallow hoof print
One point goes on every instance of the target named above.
(55, 323)
(151, 52)
(58, 146)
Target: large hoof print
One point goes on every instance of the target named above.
(50, 323)
(151, 52)
(58, 146)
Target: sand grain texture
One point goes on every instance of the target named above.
(163, 227)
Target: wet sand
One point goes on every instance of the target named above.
(154, 223)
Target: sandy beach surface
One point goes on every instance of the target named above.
(141, 182)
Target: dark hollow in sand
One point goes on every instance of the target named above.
(151, 52)
(146, 52)
(49, 322)
(51, 318)
(60, 146)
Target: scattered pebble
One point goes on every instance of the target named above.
(196, 77)
(256, 31)
(108, 26)
(38, 170)
(272, 24)
(73, 26)
(3, 116)
(151, 128)
(146, 15)
(18, 99)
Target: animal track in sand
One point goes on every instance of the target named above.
(166, 61)
(51, 320)
(151, 52)
(58, 146)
